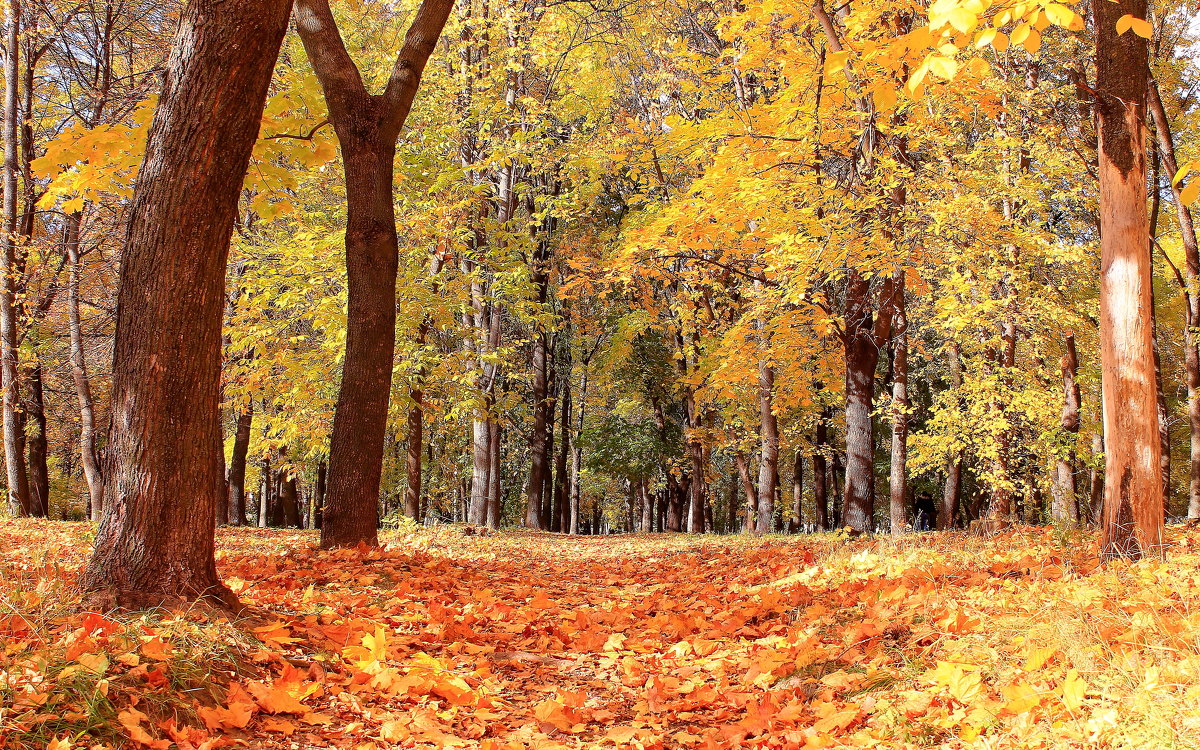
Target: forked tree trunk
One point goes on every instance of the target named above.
(166, 477)
(79, 373)
(768, 465)
(1133, 497)
(1064, 508)
(1191, 295)
(367, 126)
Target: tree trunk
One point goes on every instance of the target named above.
(367, 127)
(1164, 414)
(1064, 508)
(494, 488)
(699, 464)
(797, 491)
(749, 490)
(952, 489)
(768, 464)
(319, 493)
(562, 522)
(264, 498)
(14, 454)
(577, 457)
(862, 355)
(1133, 497)
(898, 484)
(1096, 482)
(289, 496)
(79, 373)
(539, 449)
(236, 480)
(1191, 296)
(166, 477)
(820, 472)
(37, 448)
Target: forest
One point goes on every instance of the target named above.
(583, 373)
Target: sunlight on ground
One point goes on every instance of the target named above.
(515, 640)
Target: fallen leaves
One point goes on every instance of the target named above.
(536, 641)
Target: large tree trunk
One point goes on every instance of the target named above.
(1133, 497)
(898, 483)
(367, 126)
(14, 454)
(1191, 296)
(1064, 508)
(862, 355)
(166, 477)
(37, 447)
(79, 373)
(236, 475)
(768, 464)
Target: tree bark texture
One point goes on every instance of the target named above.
(166, 476)
(236, 474)
(367, 126)
(1133, 496)
(768, 465)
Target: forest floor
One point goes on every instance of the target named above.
(527, 640)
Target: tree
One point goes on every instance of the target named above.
(1133, 492)
(166, 477)
(367, 126)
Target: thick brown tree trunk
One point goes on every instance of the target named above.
(79, 372)
(898, 481)
(1191, 296)
(1133, 497)
(14, 454)
(367, 126)
(862, 355)
(768, 465)
(166, 477)
(1064, 508)
(236, 475)
(289, 496)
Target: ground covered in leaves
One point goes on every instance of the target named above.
(444, 638)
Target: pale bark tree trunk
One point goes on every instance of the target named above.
(768, 464)
(18, 479)
(367, 127)
(1191, 296)
(1064, 508)
(577, 453)
(166, 477)
(79, 372)
(1133, 497)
